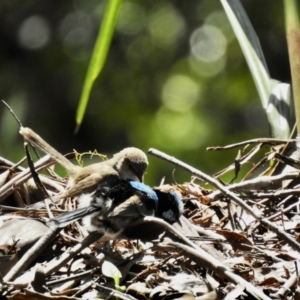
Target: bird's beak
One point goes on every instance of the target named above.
(137, 174)
(141, 178)
(179, 222)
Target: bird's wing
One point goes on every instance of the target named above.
(133, 207)
(66, 218)
(89, 177)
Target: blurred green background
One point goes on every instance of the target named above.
(175, 78)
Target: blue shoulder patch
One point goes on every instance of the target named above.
(144, 188)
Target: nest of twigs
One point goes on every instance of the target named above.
(235, 241)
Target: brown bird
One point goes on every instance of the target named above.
(130, 163)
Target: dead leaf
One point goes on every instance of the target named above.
(236, 240)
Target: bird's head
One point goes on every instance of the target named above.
(170, 206)
(131, 163)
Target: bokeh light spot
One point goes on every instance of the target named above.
(179, 130)
(76, 33)
(131, 19)
(219, 19)
(180, 93)
(208, 43)
(34, 33)
(166, 26)
(77, 37)
(204, 69)
(138, 51)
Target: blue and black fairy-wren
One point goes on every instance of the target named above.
(130, 163)
(111, 209)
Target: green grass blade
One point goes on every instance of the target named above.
(292, 24)
(280, 109)
(274, 98)
(99, 55)
(250, 46)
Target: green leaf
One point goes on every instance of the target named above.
(99, 55)
(250, 45)
(121, 288)
(292, 25)
(110, 270)
(277, 110)
(280, 108)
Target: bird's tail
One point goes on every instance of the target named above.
(71, 216)
(34, 139)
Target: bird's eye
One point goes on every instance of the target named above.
(131, 167)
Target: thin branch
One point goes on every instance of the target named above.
(268, 141)
(56, 264)
(259, 183)
(12, 112)
(239, 161)
(10, 186)
(28, 209)
(11, 165)
(208, 261)
(32, 254)
(277, 194)
(256, 214)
